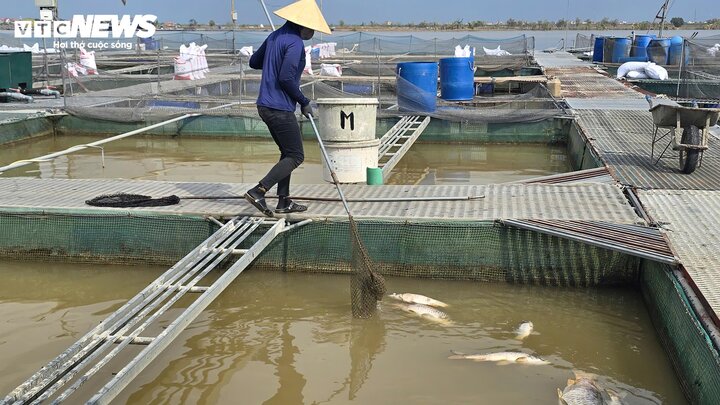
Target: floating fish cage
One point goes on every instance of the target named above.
(476, 250)
(409, 245)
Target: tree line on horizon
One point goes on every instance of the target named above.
(457, 25)
(540, 25)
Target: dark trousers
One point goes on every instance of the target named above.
(285, 131)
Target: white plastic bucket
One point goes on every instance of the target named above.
(347, 119)
(350, 160)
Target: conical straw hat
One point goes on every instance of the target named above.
(305, 13)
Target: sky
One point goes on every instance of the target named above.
(404, 11)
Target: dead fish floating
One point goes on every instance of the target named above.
(411, 298)
(585, 390)
(502, 358)
(426, 312)
(581, 391)
(524, 330)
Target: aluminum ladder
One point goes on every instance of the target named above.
(398, 140)
(134, 321)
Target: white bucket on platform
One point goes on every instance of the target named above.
(350, 160)
(347, 119)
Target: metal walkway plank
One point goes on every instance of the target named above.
(398, 140)
(125, 326)
(635, 240)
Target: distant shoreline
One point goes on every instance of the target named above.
(382, 28)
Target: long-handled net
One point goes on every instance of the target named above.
(367, 287)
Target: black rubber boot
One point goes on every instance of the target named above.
(256, 197)
(287, 206)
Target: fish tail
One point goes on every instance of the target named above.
(560, 397)
(456, 355)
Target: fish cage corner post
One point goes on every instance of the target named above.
(63, 68)
(680, 68)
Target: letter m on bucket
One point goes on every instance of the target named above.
(350, 117)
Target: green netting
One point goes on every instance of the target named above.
(699, 70)
(445, 250)
(121, 237)
(476, 250)
(691, 351)
(24, 128)
(582, 43)
(580, 152)
(547, 131)
(145, 86)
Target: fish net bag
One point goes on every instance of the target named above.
(367, 287)
(122, 200)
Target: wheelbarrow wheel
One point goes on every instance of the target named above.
(689, 157)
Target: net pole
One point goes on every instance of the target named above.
(682, 60)
(267, 15)
(63, 68)
(76, 148)
(327, 161)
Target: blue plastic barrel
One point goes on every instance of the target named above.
(417, 86)
(457, 78)
(639, 48)
(621, 49)
(675, 51)
(658, 50)
(598, 49)
(633, 59)
(608, 46)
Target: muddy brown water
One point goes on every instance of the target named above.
(248, 160)
(288, 338)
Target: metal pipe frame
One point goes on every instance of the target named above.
(94, 144)
(56, 368)
(390, 164)
(327, 161)
(590, 241)
(618, 233)
(706, 319)
(388, 199)
(392, 139)
(399, 127)
(143, 359)
(241, 234)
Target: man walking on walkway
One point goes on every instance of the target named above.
(282, 60)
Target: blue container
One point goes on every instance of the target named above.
(621, 49)
(608, 46)
(658, 50)
(417, 86)
(457, 78)
(675, 51)
(633, 59)
(640, 45)
(486, 88)
(598, 49)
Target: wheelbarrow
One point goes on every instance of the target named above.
(687, 130)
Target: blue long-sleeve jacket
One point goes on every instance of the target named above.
(282, 60)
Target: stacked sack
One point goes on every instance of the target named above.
(642, 70)
(87, 65)
(87, 60)
(308, 61)
(192, 62)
